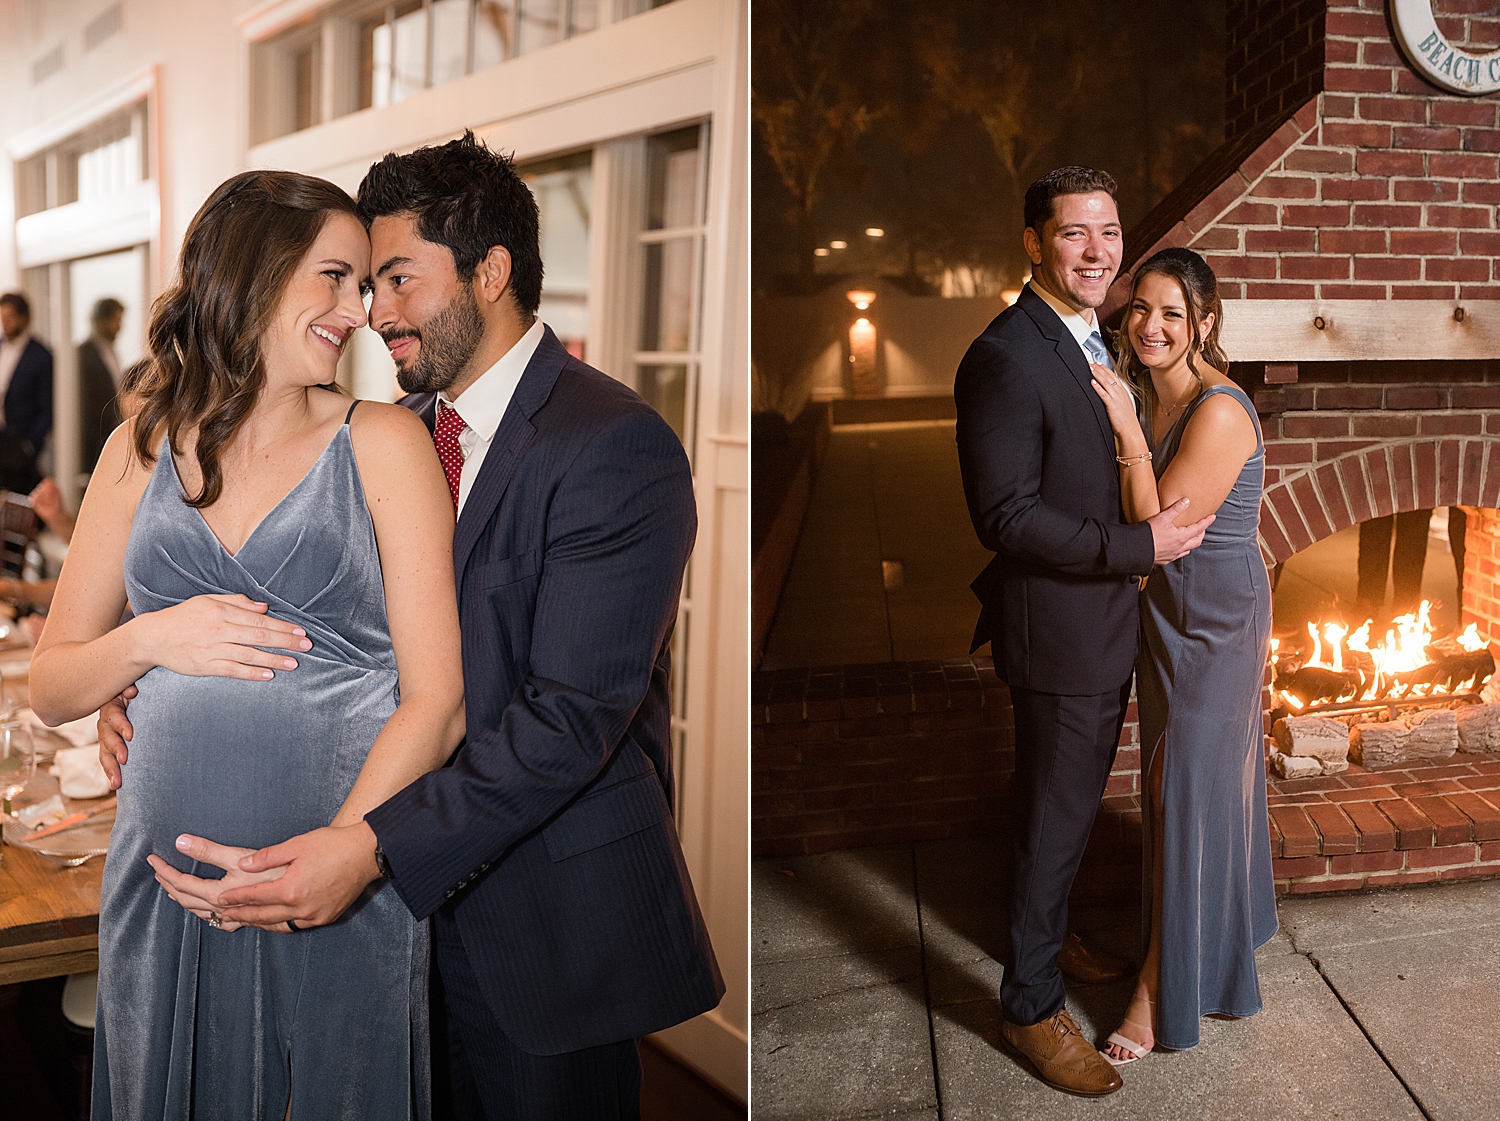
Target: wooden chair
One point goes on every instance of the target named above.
(18, 526)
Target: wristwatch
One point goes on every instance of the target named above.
(382, 863)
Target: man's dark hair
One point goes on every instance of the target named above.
(1070, 180)
(467, 198)
(105, 308)
(18, 302)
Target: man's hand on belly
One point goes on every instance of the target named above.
(201, 896)
(325, 871)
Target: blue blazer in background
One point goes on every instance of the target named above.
(28, 398)
(550, 833)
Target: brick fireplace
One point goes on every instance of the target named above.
(1351, 215)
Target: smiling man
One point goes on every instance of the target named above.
(545, 853)
(1059, 599)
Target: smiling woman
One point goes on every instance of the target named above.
(250, 514)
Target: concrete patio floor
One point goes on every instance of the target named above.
(874, 995)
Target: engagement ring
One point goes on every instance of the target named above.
(214, 920)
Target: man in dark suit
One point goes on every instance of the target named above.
(1059, 601)
(564, 922)
(99, 380)
(25, 376)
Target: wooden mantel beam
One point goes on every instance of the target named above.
(1360, 330)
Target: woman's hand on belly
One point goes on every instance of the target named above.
(201, 896)
(217, 636)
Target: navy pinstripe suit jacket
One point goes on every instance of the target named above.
(550, 833)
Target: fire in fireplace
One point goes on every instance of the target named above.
(1341, 670)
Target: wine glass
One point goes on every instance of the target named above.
(17, 761)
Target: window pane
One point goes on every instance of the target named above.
(665, 389)
(450, 40)
(409, 54)
(375, 64)
(666, 314)
(563, 189)
(673, 171)
(583, 15)
(539, 24)
(305, 83)
(493, 33)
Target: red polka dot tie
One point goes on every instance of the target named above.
(445, 436)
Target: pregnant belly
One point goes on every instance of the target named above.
(249, 763)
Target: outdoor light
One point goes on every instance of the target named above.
(874, 231)
(861, 298)
(820, 251)
(838, 245)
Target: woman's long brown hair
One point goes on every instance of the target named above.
(205, 334)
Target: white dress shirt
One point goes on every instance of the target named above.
(483, 406)
(107, 355)
(1074, 321)
(10, 354)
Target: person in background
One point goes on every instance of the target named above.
(25, 377)
(1404, 564)
(99, 381)
(47, 501)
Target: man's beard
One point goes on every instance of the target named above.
(445, 344)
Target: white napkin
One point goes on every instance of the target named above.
(79, 773)
(80, 732)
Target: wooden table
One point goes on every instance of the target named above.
(49, 916)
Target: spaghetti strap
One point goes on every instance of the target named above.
(350, 413)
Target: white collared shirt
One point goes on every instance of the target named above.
(107, 355)
(1074, 321)
(10, 354)
(483, 406)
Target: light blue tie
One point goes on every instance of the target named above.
(1094, 344)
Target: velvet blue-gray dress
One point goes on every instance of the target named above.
(198, 1022)
(1206, 625)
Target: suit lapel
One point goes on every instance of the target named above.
(1071, 355)
(512, 438)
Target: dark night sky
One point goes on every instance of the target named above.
(928, 119)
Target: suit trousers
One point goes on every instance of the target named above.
(1404, 563)
(479, 1074)
(1065, 747)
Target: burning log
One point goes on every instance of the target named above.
(1479, 728)
(1312, 684)
(1446, 673)
(1429, 734)
(1316, 738)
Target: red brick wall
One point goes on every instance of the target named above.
(1355, 440)
(844, 756)
(1273, 60)
(1379, 187)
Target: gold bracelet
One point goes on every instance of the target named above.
(1132, 460)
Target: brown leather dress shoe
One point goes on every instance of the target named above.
(1085, 966)
(1062, 1058)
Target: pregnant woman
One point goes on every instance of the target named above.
(316, 536)
(1205, 626)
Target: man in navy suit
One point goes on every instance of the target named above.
(564, 922)
(25, 375)
(1059, 600)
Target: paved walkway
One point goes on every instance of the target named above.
(874, 996)
(885, 558)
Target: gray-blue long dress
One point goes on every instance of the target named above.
(197, 1022)
(1206, 626)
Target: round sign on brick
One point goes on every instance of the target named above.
(1436, 59)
